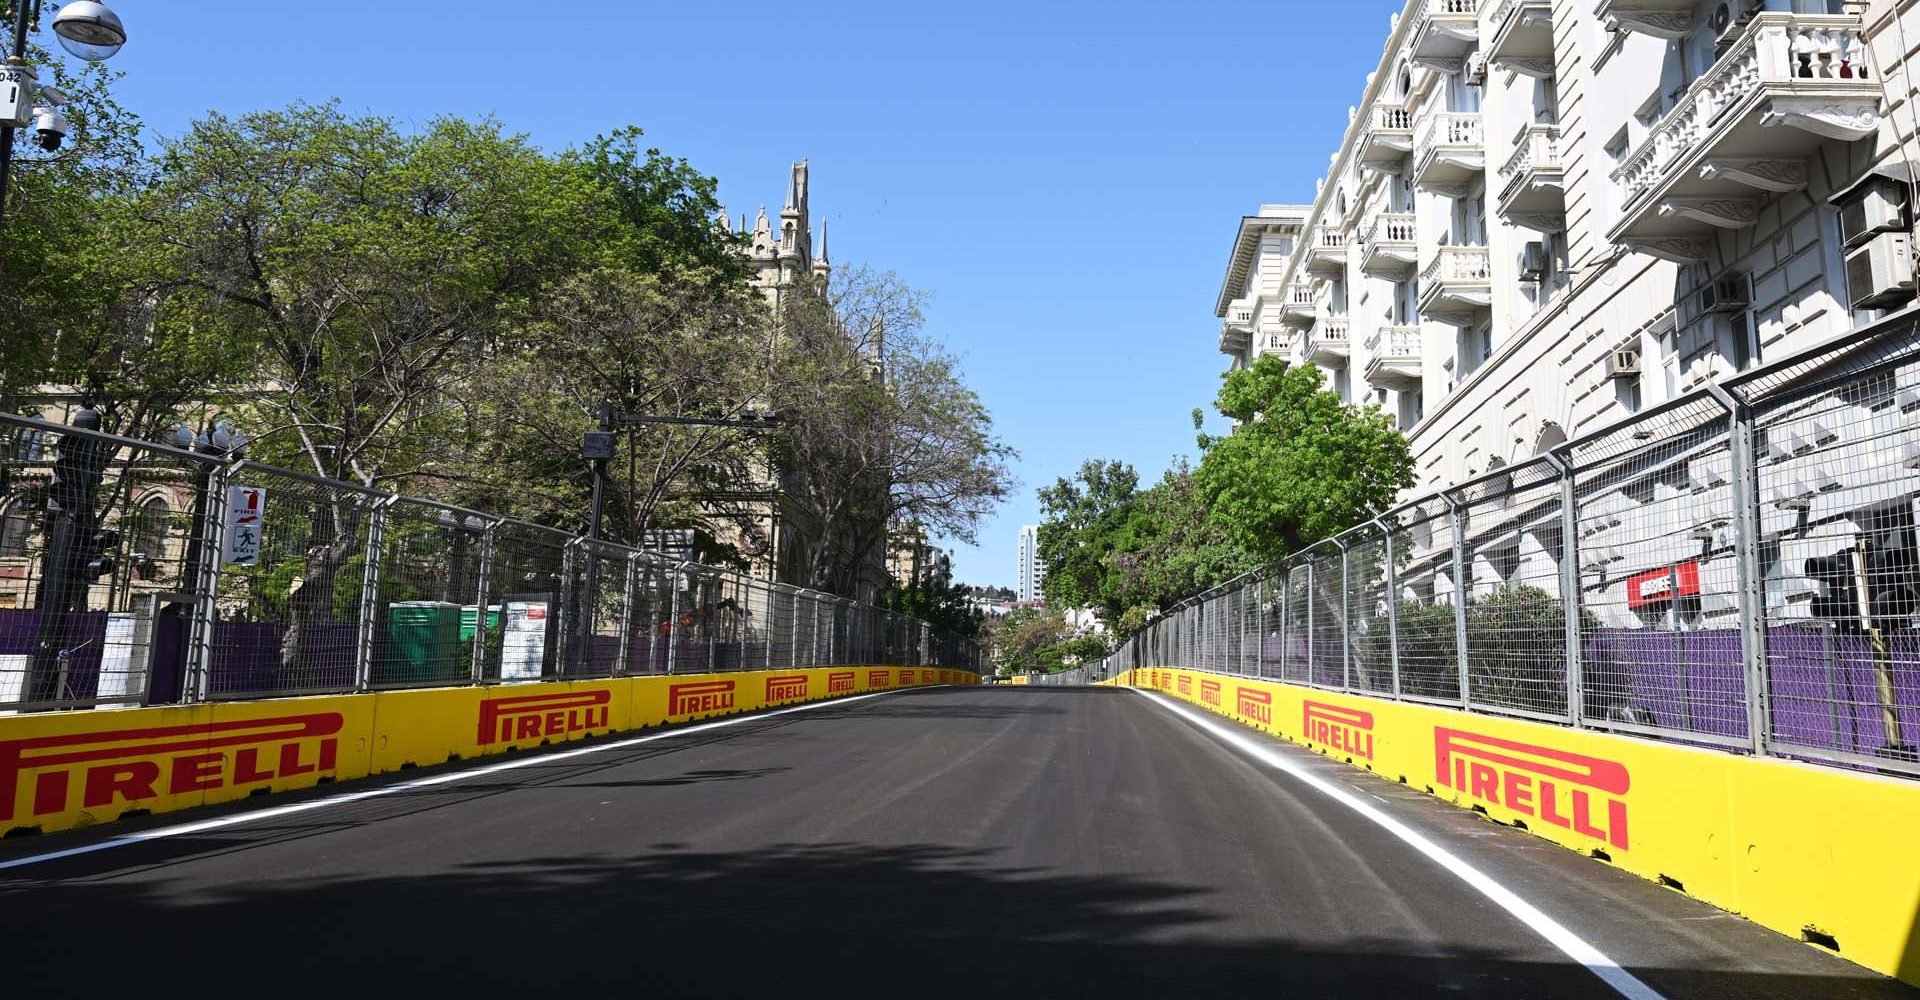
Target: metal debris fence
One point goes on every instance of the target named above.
(1742, 561)
(136, 573)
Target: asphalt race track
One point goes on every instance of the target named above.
(979, 842)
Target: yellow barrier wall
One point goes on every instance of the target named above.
(71, 769)
(1795, 847)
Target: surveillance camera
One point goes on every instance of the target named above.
(49, 128)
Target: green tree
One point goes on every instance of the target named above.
(940, 603)
(1300, 465)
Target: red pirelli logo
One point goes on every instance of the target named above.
(698, 697)
(1348, 730)
(542, 716)
(1254, 704)
(1186, 686)
(116, 765)
(840, 681)
(786, 686)
(926, 677)
(1554, 786)
(906, 677)
(1210, 693)
(879, 678)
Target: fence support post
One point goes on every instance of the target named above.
(480, 598)
(1286, 615)
(370, 592)
(673, 617)
(626, 614)
(206, 587)
(1462, 590)
(1570, 588)
(1346, 621)
(1393, 604)
(1260, 629)
(1752, 598)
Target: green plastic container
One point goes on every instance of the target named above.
(470, 616)
(423, 641)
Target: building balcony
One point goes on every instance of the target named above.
(1273, 342)
(1327, 342)
(1394, 353)
(1444, 32)
(1668, 19)
(1327, 252)
(1456, 286)
(1522, 40)
(1744, 132)
(1388, 251)
(1300, 305)
(1533, 184)
(1388, 139)
(1452, 151)
(1236, 328)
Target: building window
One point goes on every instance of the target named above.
(16, 524)
(150, 528)
(1626, 391)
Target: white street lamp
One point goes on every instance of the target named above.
(89, 30)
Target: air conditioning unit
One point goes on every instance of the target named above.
(1881, 271)
(1731, 17)
(1533, 263)
(1624, 363)
(1878, 207)
(1728, 295)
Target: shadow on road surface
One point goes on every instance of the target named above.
(787, 921)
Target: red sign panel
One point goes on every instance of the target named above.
(1349, 730)
(540, 716)
(1658, 586)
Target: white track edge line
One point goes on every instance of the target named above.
(1572, 945)
(349, 797)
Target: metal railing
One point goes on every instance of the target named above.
(135, 573)
(1735, 568)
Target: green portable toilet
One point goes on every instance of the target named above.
(423, 642)
(470, 618)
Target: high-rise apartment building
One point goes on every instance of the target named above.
(1031, 570)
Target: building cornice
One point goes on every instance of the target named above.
(1246, 245)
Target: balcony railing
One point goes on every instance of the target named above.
(1704, 161)
(1452, 149)
(1389, 244)
(1388, 137)
(1327, 343)
(1300, 305)
(1394, 357)
(1328, 251)
(1457, 284)
(1532, 181)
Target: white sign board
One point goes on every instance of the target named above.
(245, 505)
(523, 640)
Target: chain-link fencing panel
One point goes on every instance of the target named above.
(1839, 563)
(99, 569)
(1656, 547)
(1369, 621)
(424, 611)
(1516, 621)
(528, 571)
(1425, 599)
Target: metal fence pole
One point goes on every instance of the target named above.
(1393, 605)
(1570, 588)
(1286, 601)
(478, 658)
(673, 617)
(1752, 598)
(1346, 622)
(563, 629)
(206, 608)
(1462, 590)
(626, 613)
(370, 592)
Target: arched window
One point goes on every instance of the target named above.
(150, 527)
(16, 524)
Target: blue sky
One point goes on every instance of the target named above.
(1063, 177)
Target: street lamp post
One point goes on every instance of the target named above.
(90, 31)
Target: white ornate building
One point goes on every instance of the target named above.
(1548, 214)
